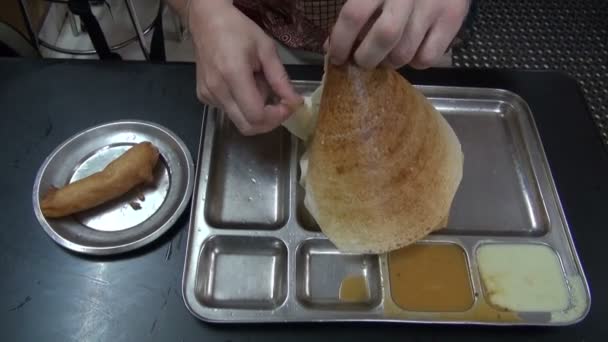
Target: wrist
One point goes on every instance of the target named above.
(202, 9)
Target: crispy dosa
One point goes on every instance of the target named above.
(383, 164)
(134, 167)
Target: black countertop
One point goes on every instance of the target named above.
(50, 294)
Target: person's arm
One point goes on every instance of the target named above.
(237, 65)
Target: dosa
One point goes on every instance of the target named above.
(382, 165)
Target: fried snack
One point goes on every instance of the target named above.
(383, 165)
(134, 167)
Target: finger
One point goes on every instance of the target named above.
(431, 50)
(276, 75)
(248, 94)
(203, 94)
(278, 111)
(384, 34)
(202, 91)
(437, 42)
(220, 91)
(351, 20)
(263, 87)
(260, 116)
(244, 91)
(420, 20)
(275, 116)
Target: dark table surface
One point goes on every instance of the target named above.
(50, 294)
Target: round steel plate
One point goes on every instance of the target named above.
(133, 220)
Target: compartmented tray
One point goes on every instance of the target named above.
(256, 255)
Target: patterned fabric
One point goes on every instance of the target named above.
(298, 24)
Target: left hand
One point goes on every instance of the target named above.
(414, 32)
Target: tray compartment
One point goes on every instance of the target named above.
(498, 194)
(431, 277)
(248, 179)
(242, 272)
(321, 271)
(535, 284)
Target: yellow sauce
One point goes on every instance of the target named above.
(354, 289)
(522, 277)
(431, 278)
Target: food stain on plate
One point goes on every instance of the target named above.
(579, 304)
(522, 277)
(483, 312)
(354, 289)
(430, 278)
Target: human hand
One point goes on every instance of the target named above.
(414, 32)
(237, 67)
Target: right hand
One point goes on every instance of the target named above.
(237, 67)
(414, 32)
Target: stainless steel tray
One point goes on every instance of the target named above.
(255, 255)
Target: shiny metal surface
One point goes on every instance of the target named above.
(249, 181)
(140, 34)
(133, 220)
(507, 195)
(320, 270)
(262, 264)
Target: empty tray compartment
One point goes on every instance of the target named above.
(248, 180)
(329, 280)
(242, 273)
(499, 193)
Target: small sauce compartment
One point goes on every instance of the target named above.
(329, 280)
(430, 277)
(522, 277)
(242, 272)
(248, 181)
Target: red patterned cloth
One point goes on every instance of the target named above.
(298, 24)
